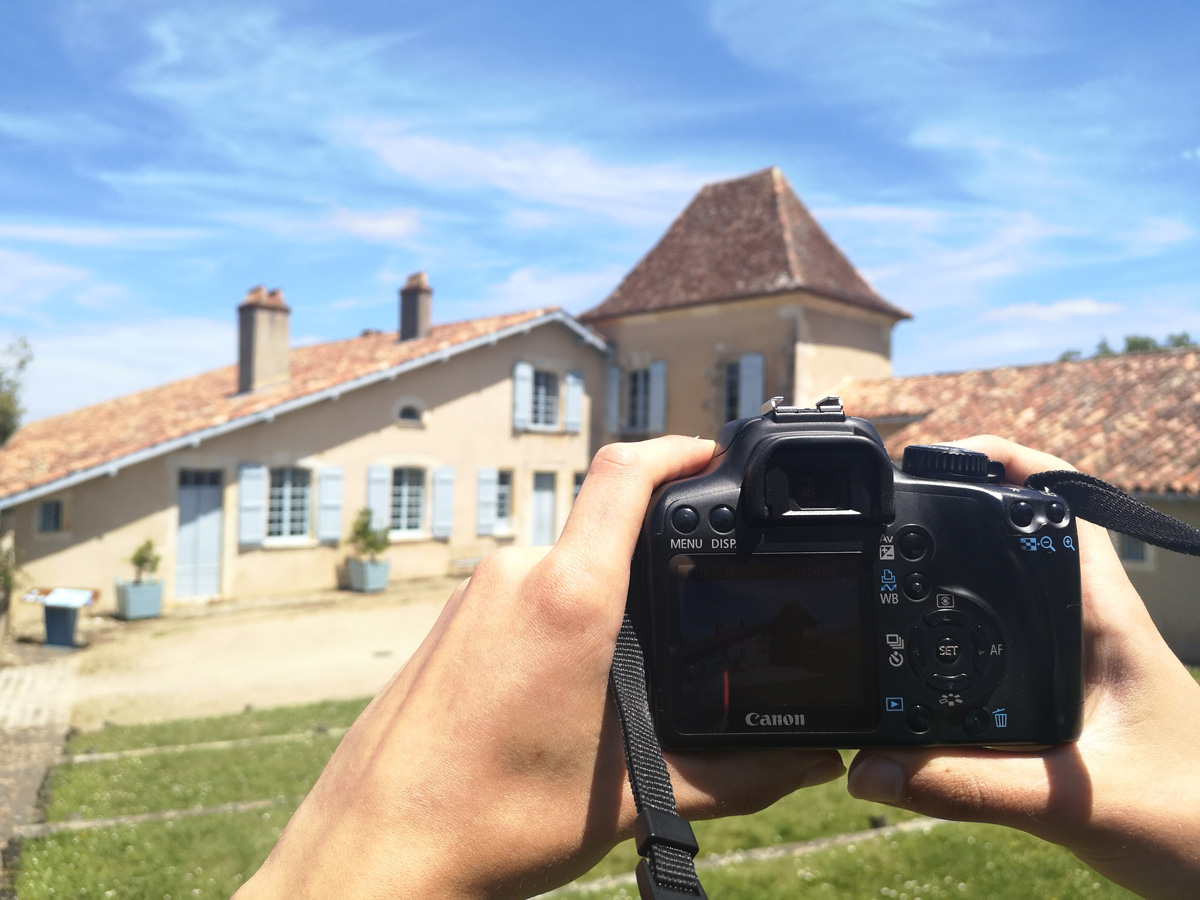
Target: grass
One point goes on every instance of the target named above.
(252, 723)
(209, 856)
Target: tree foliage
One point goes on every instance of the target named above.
(16, 358)
(1134, 343)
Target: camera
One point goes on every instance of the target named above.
(804, 591)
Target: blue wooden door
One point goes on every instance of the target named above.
(198, 566)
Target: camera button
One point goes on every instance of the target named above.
(919, 719)
(956, 683)
(916, 586)
(941, 617)
(1056, 512)
(976, 721)
(685, 519)
(1021, 514)
(916, 650)
(722, 519)
(948, 650)
(913, 545)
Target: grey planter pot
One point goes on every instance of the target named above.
(366, 576)
(139, 599)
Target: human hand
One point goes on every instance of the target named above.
(1126, 797)
(491, 765)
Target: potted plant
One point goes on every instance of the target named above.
(364, 570)
(142, 597)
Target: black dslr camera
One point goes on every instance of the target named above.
(802, 591)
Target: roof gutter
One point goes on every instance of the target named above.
(585, 335)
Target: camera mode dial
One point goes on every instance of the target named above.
(949, 463)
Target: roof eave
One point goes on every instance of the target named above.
(194, 439)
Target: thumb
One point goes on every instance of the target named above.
(1039, 792)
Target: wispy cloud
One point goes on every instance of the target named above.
(96, 236)
(530, 286)
(1058, 311)
(28, 282)
(67, 372)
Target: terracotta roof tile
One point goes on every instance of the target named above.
(1132, 419)
(50, 449)
(747, 237)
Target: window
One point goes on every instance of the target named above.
(545, 399)
(408, 499)
(289, 502)
(637, 396)
(1131, 550)
(409, 414)
(50, 516)
(731, 391)
(504, 501)
(579, 476)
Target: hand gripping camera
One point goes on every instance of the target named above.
(803, 591)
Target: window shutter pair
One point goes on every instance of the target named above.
(657, 412)
(379, 499)
(523, 399)
(253, 481)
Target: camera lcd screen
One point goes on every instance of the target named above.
(774, 643)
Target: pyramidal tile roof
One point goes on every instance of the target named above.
(747, 237)
(118, 432)
(1131, 419)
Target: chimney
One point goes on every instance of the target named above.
(263, 341)
(416, 300)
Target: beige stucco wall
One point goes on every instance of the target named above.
(467, 424)
(808, 345)
(1170, 586)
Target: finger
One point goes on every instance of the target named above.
(1019, 462)
(601, 531)
(1041, 793)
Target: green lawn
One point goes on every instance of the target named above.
(209, 856)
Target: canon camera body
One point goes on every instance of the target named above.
(803, 591)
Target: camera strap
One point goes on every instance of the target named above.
(1102, 504)
(665, 841)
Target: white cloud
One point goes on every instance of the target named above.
(1156, 234)
(68, 372)
(95, 236)
(531, 171)
(1058, 311)
(530, 287)
(28, 283)
(389, 226)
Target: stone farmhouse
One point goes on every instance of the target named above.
(468, 436)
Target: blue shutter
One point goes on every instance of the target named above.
(658, 397)
(522, 396)
(485, 501)
(612, 400)
(252, 504)
(443, 501)
(379, 496)
(574, 388)
(329, 504)
(750, 385)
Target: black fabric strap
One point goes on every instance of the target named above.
(664, 839)
(1101, 503)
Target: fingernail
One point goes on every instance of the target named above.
(879, 779)
(822, 772)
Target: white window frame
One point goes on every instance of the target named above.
(544, 410)
(61, 516)
(407, 492)
(288, 506)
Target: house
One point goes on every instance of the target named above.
(1132, 420)
(458, 437)
(744, 298)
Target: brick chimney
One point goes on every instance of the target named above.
(263, 339)
(416, 301)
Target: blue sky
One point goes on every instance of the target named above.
(1021, 176)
